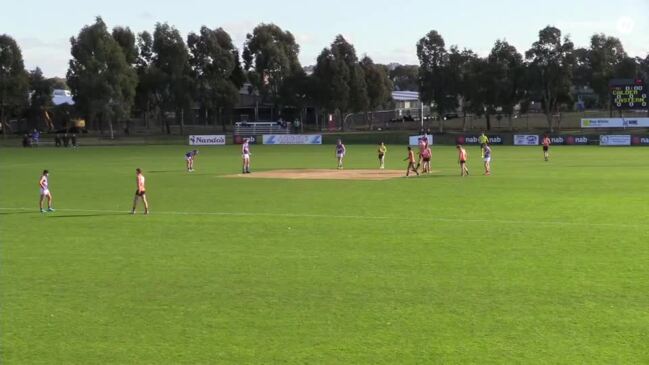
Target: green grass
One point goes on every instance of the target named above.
(538, 263)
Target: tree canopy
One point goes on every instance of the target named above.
(14, 81)
(270, 56)
(102, 81)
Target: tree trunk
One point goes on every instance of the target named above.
(166, 122)
(101, 125)
(3, 126)
(548, 118)
(463, 121)
(222, 119)
(182, 121)
(161, 121)
(547, 98)
(110, 128)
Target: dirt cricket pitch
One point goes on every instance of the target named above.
(324, 174)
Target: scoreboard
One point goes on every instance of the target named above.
(628, 94)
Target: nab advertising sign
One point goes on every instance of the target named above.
(640, 140)
(473, 139)
(578, 140)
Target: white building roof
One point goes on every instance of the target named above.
(60, 96)
(405, 95)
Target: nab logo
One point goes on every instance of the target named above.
(640, 140)
(460, 140)
(192, 139)
(581, 140)
(557, 140)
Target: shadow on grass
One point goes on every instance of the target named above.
(58, 216)
(20, 212)
(161, 171)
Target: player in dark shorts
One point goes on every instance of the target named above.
(462, 157)
(546, 147)
(140, 193)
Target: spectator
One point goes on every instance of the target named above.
(36, 135)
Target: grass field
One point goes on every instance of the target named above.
(538, 263)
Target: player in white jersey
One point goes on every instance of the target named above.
(340, 153)
(45, 192)
(245, 155)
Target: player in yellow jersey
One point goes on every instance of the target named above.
(483, 140)
(382, 150)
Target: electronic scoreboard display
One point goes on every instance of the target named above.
(628, 94)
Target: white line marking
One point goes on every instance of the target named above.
(359, 217)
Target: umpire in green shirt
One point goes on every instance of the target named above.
(483, 140)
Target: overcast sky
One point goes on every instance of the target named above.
(387, 31)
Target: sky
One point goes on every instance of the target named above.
(387, 31)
